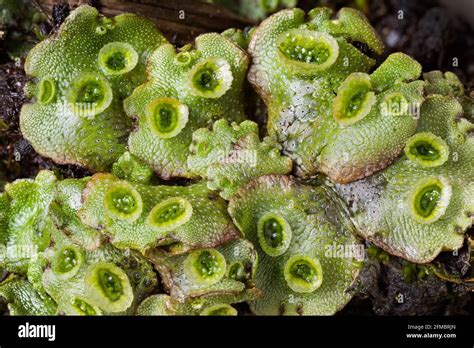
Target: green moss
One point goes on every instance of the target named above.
(231, 155)
(309, 276)
(202, 275)
(109, 93)
(421, 204)
(192, 88)
(191, 216)
(327, 116)
(84, 72)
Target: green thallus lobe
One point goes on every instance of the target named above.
(86, 69)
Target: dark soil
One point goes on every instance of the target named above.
(60, 12)
(428, 33)
(383, 288)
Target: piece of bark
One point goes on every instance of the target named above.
(180, 21)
